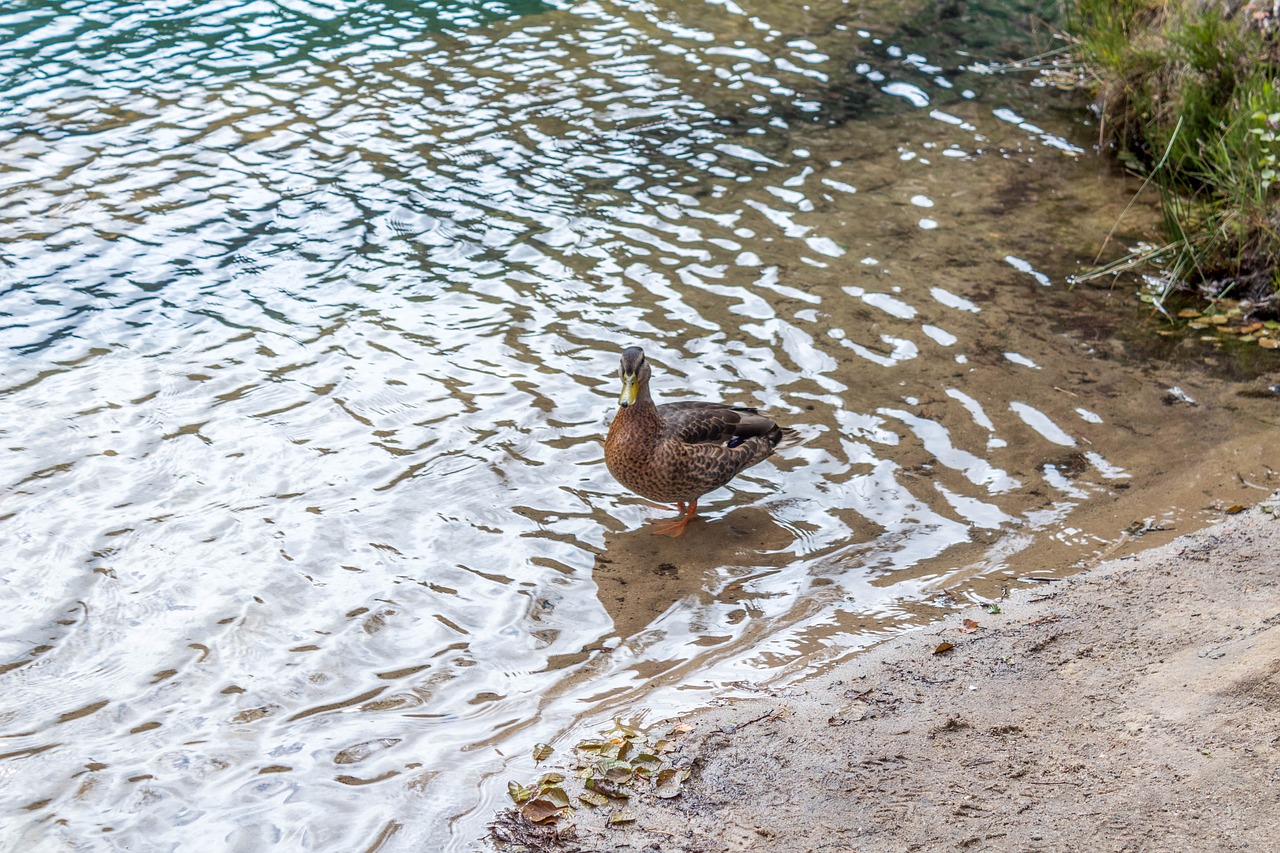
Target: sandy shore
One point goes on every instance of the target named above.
(1135, 706)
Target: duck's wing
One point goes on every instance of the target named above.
(717, 424)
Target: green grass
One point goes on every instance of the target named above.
(1190, 98)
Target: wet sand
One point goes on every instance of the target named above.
(1129, 707)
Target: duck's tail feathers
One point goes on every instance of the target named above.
(789, 438)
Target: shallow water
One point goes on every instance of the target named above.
(310, 317)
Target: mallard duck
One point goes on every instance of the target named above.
(677, 452)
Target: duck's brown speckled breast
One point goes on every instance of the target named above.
(645, 458)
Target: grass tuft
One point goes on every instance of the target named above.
(1188, 93)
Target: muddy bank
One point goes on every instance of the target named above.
(1130, 707)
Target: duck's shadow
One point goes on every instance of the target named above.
(640, 574)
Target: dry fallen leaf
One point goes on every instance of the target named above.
(851, 713)
(542, 751)
(608, 788)
(540, 810)
(591, 798)
(969, 627)
(943, 647)
(669, 782)
(556, 796)
(620, 771)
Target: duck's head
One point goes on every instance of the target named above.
(634, 371)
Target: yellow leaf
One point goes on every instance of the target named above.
(556, 796)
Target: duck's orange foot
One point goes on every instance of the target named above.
(673, 527)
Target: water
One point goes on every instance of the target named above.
(310, 316)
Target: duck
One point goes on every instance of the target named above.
(674, 453)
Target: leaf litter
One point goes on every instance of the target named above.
(628, 762)
(1231, 322)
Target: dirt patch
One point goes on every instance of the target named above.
(1130, 707)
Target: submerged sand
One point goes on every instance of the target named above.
(1134, 706)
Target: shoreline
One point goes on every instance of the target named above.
(1132, 706)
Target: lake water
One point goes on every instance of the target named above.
(310, 315)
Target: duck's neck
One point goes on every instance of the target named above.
(641, 414)
(644, 400)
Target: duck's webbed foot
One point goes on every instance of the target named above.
(673, 527)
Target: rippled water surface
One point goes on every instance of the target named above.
(310, 315)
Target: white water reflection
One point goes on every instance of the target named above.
(1105, 468)
(941, 337)
(1050, 139)
(1024, 266)
(1042, 424)
(1019, 358)
(952, 300)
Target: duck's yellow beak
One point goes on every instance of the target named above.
(630, 390)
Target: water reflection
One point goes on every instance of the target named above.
(311, 315)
